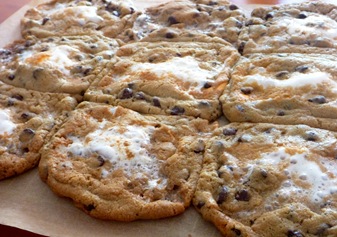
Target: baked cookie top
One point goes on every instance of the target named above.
(269, 180)
(26, 119)
(55, 64)
(117, 164)
(308, 27)
(217, 18)
(172, 78)
(283, 89)
(78, 17)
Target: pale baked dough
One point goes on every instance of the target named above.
(266, 180)
(26, 120)
(117, 164)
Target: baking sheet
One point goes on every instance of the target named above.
(27, 203)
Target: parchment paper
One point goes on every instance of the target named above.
(28, 203)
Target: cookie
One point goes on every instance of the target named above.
(172, 78)
(27, 118)
(55, 64)
(269, 180)
(212, 18)
(78, 17)
(117, 164)
(308, 27)
(283, 89)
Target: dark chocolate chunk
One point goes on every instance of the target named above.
(233, 7)
(176, 110)
(11, 77)
(127, 93)
(100, 160)
(172, 20)
(294, 233)
(89, 207)
(45, 20)
(200, 205)
(301, 68)
(281, 74)
(242, 195)
(241, 47)
(169, 35)
(246, 90)
(17, 96)
(140, 96)
(311, 136)
(156, 102)
(318, 100)
(223, 195)
(236, 231)
(302, 16)
(281, 113)
(229, 131)
(207, 85)
(270, 15)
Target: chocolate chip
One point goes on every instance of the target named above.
(17, 97)
(176, 110)
(236, 231)
(45, 20)
(5, 52)
(311, 136)
(281, 74)
(242, 195)
(44, 49)
(294, 233)
(281, 113)
(89, 207)
(200, 205)
(229, 131)
(302, 16)
(233, 7)
(270, 15)
(100, 160)
(172, 20)
(127, 93)
(25, 116)
(204, 104)
(246, 90)
(207, 85)
(241, 47)
(169, 35)
(140, 96)
(25, 149)
(301, 68)
(318, 100)
(223, 195)
(28, 43)
(11, 77)
(264, 173)
(28, 131)
(156, 102)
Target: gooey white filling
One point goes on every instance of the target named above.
(56, 57)
(124, 147)
(6, 125)
(186, 69)
(296, 80)
(319, 180)
(317, 25)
